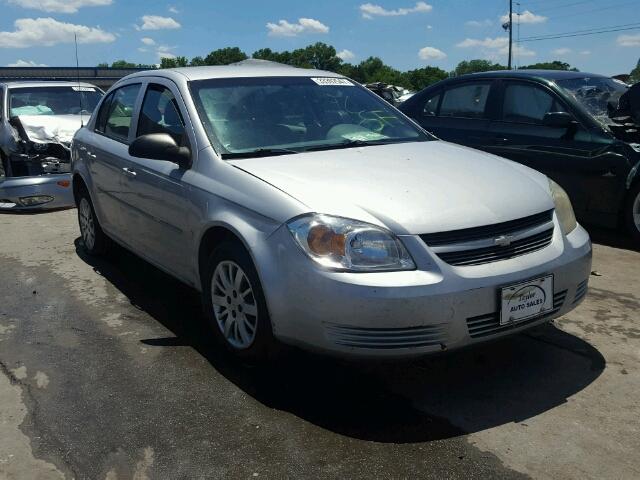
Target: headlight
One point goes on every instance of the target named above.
(349, 245)
(564, 210)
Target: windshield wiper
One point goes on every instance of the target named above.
(259, 152)
(347, 144)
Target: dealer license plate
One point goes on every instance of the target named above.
(526, 300)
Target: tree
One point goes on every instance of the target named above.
(423, 77)
(123, 64)
(224, 56)
(166, 62)
(634, 76)
(474, 66)
(555, 65)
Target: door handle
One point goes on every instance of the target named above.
(500, 140)
(129, 171)
(90, 155)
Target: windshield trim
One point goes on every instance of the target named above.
(222, 152)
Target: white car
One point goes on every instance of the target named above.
(309, 211)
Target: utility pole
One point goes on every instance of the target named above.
(510, 32)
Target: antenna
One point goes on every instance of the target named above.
(75, 39)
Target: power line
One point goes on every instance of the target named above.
(580, 33)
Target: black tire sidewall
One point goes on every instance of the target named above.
(101, 242)
(264, 343)
(631, 226)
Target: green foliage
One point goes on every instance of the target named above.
(635, 74)
(555, 65)
(223, 56)
(176, 62)
(319, 55)
(422, 77)
(474, 66)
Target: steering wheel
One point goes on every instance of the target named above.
(373, 124)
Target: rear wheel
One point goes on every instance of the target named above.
(632, 212)
(94, 239)
(234, 304)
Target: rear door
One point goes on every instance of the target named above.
(458, 113)
(570, 156)
(107, 155)
(155, 190)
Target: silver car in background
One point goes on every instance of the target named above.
(308, 210)
(37, 123)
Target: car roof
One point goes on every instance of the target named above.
(35, 83)
(246, 68)
(541, 74)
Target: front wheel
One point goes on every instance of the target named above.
(234, 304)
(632, 212)
(94, 239)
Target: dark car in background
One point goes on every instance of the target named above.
(564, 124)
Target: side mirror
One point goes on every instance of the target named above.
(160, 146)
(558, 120)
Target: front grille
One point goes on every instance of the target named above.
(387, 338)
(493, 254)
(581, 291)
(489, 324)
(529, 235)
(487, 231)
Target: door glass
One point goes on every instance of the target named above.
(431, 106)
(467, 101)
(160, 114)
(527, 104)
(118, 120)
(103, 114)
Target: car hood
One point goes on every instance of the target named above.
(410, 188)
(51, 128)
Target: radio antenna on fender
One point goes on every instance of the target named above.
(75, 39)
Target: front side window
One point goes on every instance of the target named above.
(114, 118)
(430, 108)
(528, 104)
(72, 100)
(274, 115)
(465, 101)
(160, 114)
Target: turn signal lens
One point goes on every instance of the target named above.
(64, 183)
(322, 241)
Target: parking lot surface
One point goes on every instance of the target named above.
(106, 372)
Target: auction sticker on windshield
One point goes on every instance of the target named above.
(343, 82)
(526, 300)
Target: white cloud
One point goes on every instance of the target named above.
(585, 52)
(370, 10)
(629, 40)
(26, 63)
(429, 27)
(497, 42)
(46, 32)
(494, 46)
(148, 41)
(59, 6)
(561, 51)
(346, 55)
(165, 51)
(431, 53)
(524, 17)
(479, 23)
(173, 9)
(304, 25)
(156, 22)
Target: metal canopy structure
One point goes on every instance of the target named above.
(98, 76)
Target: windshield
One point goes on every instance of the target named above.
(275, 115)
(53, 100)
(599, 95)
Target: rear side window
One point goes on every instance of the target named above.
(160, 114)
(528, 104)
(114, 118)
(430, 108)
(466, 101)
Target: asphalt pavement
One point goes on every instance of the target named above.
(107, 372)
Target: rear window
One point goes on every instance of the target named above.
(466, 101)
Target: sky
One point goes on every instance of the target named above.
(404, 33)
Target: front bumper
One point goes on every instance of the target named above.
(56, 186)
(411, 313)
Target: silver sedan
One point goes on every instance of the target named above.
(309, 211)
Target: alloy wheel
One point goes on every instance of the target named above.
(87, 225)
(234, 304)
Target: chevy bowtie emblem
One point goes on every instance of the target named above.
(503, 241)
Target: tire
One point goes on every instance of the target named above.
(632, 212)
(95, 241)
(234, 304)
